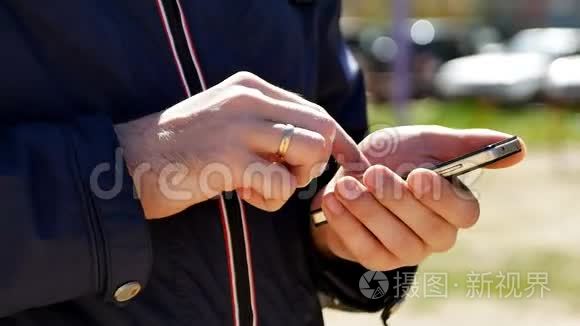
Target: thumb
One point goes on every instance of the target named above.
(446, 143)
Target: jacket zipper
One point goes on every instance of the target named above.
(172, 11)
(233, 218)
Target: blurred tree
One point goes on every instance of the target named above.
(379, 10)
(444, 8)
(373, 10)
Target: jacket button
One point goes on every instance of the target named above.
(127, 291)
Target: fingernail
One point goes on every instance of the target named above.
(349, 189)
(333, 205)
(373, 180)
(426, 185)
(422, 185)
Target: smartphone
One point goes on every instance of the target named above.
(461, 165)
(479, 158)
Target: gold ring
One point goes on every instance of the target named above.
(287, 133)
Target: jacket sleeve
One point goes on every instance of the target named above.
(70, 225)
(341, 91)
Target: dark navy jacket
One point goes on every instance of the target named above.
(70, 70)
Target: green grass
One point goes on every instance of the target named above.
(562, 269)
(538, 125)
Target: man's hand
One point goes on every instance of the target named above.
(384, 222)
(227, 138)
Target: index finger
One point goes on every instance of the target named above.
(347, 154)
(344, 149)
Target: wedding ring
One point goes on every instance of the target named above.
(287, 133)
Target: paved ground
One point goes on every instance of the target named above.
(467, 313)
(530, 222)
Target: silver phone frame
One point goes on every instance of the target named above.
(488, 155)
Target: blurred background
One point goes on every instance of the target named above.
(511, 65)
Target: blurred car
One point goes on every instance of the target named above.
(432, 42)
(513, 74)
(562, 83)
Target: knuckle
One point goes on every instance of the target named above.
(363, 252)
(376, 266)
(278, 183)
(370, 260)
(445, 242)
(471, 217)
(317, 147)
(317, 141)
(327, 126)
(285, 190)
(378, 260)
(236, 91)
(410, 249)
(439, 233)
(316, 170)
(438, 228)
(243, 93)
(303, 180)
(273, 205)
(365, 215)
(415, 257)
(243, 76)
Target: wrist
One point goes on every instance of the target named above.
(136, 138)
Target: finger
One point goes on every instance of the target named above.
(457, 142)
(253, 198)
(272, 181)
(397, 237)
(307, 153)
(347, 154)
(457, 205)
(364, 247)
(257, 200)
(344, 149)
(284, 112)
(306, 147)
(393, 193)
(331, 244)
